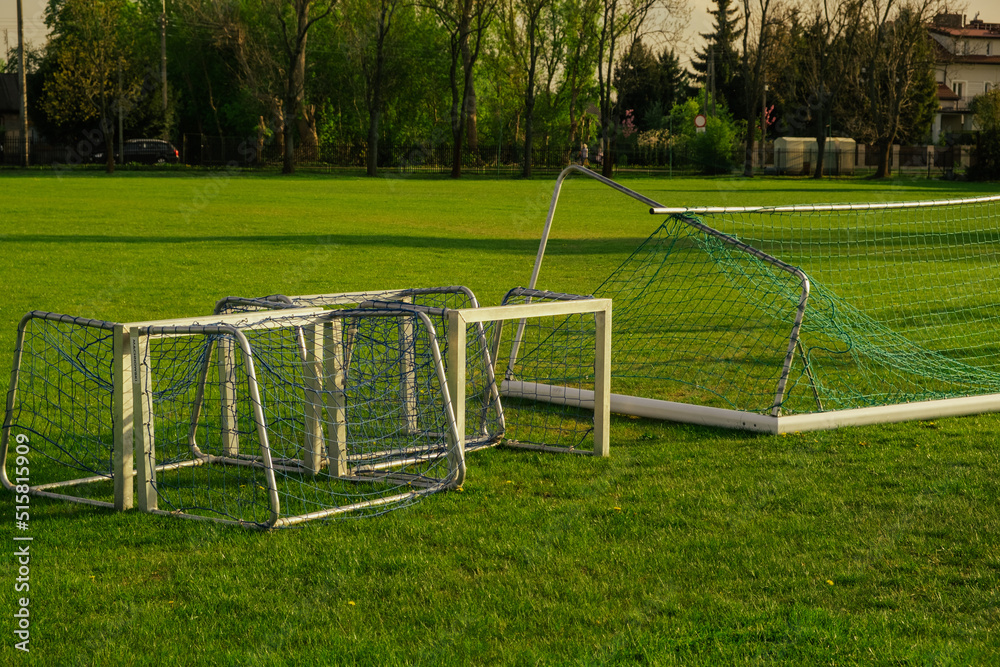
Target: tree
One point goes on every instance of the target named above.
(674, 81)
(637, 82)
(581, 17)
(622, 23)
(720, 52)
(649, 85)
(523, 27)
(759, 24)
(293, 17)
(466, 22)
(201, 69)
(898, 61)
(831, 56)
(97, 67)
(712, 150)
(370, 23)
(268, 41)
(986, 108)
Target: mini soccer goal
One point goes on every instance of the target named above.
(271, 417)
(526, 419)
(485, 426)
(793, 318)
(292, 415)
(263, 419)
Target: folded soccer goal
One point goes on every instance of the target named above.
(793, 318)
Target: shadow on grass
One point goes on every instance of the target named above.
(516, 246)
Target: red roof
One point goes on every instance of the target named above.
(955, 25)
(946, 93)
(967, 32)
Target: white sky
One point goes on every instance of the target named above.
(34, 27)
(701, 21)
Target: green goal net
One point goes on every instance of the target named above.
(802, 317)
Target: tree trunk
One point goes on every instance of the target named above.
(820, 152)
(748, 159)
(457, 120)
(287, 135)
(884, 169)
(472, 131)
(608, 161)
(528, 141)
(372, 158)
(109, 146)
(375, 103)
(574, 93)
(295, 87)
(308, 136)
(529, 107)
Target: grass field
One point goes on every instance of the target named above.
(689, 545)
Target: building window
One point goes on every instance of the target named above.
(958, 87)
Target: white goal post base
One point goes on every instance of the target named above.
(748, 421)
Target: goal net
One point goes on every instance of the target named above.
(548, 383)
(62, 403)
(806, 317)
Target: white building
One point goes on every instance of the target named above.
(967, 63)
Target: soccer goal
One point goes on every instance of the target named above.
(291, 415)
(485, 427)
(793, 318)
(524, 420)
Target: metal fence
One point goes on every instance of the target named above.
(506, 159)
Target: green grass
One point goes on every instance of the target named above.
(689, 545)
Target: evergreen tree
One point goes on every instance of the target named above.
(649, 85)
(636, 82)
(721, 42)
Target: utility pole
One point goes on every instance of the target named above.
(121, 120)
(23, 84)
(163, 69)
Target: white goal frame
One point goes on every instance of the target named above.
(774, 422)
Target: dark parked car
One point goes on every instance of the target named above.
(144, 151)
